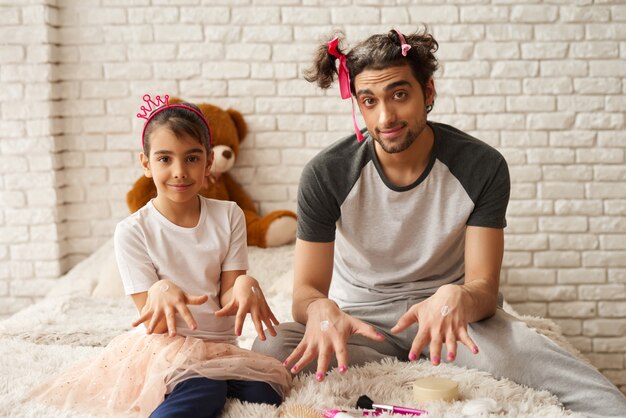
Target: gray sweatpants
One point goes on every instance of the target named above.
(508, 348)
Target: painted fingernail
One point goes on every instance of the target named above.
(285, 363)
(294, 369)
(435, 360)
(451, 356)
(343, 368)
(379, 335)
(319, 376)
(475, 350)
(412, 356)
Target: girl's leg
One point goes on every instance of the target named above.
(198, 397)
(253, 392)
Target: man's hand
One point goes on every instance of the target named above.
(328, 329)
(248, 298)
(441, 319)
(164, 301)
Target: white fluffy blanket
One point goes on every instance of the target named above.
(71, 324)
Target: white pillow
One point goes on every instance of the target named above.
(109, 284)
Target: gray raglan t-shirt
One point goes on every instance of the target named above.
(394, 243)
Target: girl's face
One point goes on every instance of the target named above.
(178, 166)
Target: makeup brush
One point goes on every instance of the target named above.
(364, 402)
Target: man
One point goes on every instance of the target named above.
(400, 240)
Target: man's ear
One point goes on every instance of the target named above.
(430, 92)
(145, 164)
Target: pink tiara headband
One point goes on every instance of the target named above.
(155, 107)
(344, 74)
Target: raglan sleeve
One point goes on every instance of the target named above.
(317, 207)
(237, 255)
(490, 207)
(133, 260)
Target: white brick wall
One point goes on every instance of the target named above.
(32, 250)
(544, 83)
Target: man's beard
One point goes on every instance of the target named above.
(409, 138)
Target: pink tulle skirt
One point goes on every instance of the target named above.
(135, 371)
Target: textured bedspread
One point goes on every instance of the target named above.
(71, 324)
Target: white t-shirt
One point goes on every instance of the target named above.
(149, 247)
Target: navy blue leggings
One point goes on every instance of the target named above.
(204, 398)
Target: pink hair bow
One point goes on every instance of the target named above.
(344, 80)
(405, 47)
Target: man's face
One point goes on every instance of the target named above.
(393, 105)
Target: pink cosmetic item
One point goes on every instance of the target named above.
(364, 402)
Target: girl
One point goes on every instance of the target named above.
(179, 245)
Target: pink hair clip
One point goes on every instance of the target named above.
(161, 104)
(405, 47)
(344, 80)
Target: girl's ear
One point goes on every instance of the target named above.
(208, 177)
(145, 164)
(209, 163)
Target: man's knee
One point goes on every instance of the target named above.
(287, 339)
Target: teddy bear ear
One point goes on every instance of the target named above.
(175, 100)
(240, 123)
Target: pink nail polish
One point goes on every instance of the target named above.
(294, 369)
(451, 356)
(343, 368)
(285, 363)
(475, 350)
(319, 376)
(412, 356)
(435, 360)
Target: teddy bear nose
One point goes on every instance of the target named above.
(227, 154)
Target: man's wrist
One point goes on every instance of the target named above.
(317, 302)
(310, 304)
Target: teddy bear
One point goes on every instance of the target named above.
(228, 130)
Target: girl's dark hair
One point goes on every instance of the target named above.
(376, 53)
(181, 121)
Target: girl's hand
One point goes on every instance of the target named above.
(165, 299)
(248, 298)
(327, 331)
(441, 319)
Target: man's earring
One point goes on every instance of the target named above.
(429, 107)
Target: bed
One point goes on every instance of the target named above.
(84, 311)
